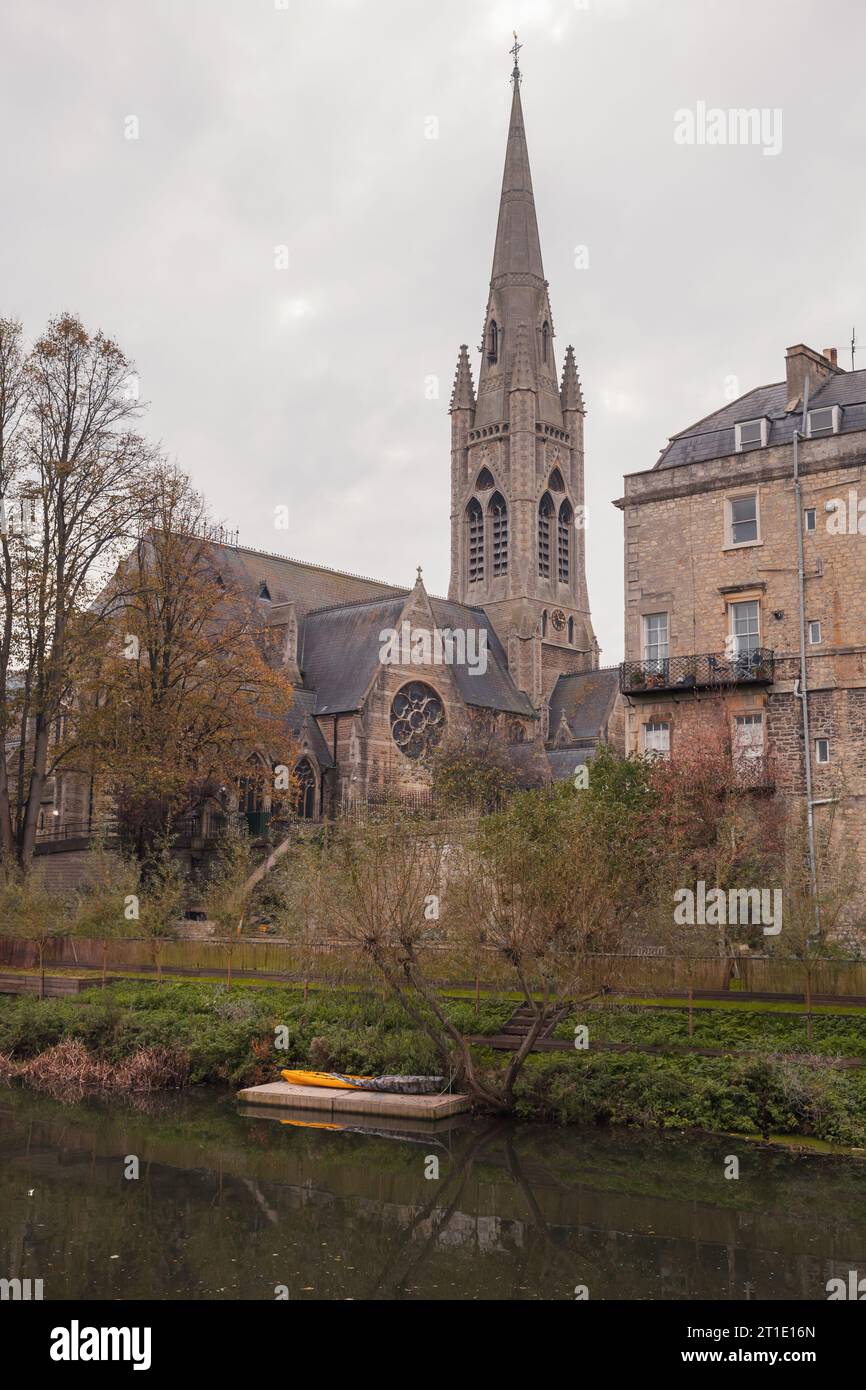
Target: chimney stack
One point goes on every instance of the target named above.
(804, 364)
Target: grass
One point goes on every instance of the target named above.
(230, 1037)
(760, 1006)
(731, 1029)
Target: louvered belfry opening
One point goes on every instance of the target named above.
(545, 516)
(499, 519)
(475, 519)
(566, 518)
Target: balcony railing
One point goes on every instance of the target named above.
(710, 671)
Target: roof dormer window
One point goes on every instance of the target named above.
(751, 434)
(824, 420)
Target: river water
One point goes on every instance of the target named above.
(231, 1203)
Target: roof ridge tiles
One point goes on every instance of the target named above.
(308, 564)
(397, 593)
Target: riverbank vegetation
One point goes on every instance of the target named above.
(541, 897)
(129, 1035)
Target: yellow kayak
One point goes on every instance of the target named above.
(325, 1078)
(393, 1085)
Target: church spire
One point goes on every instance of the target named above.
(517, 486)
(518, 248)
(518, 290)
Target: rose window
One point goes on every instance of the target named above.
(417, 719)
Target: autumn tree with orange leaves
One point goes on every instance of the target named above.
(189, 681)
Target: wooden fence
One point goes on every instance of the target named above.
(344, 963)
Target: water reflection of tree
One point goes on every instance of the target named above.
(230, 1207)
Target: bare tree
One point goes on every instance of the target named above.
(78, 478)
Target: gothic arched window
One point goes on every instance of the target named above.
(475, 554)
(492, 342)
(545, 340)
(571, 631)
(305, 790)
(545, 522)
(499, 517)
(544, 623)
(566, 517)
(556, 483)
(484, 480)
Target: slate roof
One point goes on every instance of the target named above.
(307, 586)
(586, 699)
(494, 688)
(338, 651)
(713, 437)
(564, 762)
(339, 655)
(300, 721)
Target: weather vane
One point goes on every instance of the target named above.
(515, 76)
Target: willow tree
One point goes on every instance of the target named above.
(537, 879)
(379, 888)
(530, 882)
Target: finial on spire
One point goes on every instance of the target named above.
(419, 579)
(515, 51)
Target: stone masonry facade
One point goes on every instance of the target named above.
(690, 576)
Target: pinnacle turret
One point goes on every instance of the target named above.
(463, 390)
(570, 393)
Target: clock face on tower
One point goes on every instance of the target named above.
(557, 617)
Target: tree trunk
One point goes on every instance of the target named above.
(809, 1005)
(104, 961)
(7, 839)
(41, 949)
(691, 1007)
(34, 795)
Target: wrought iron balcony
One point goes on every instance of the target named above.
(711, 671)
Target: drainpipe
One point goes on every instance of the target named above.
(801, 686)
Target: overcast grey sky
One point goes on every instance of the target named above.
(306, 126)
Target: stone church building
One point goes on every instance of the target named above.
(383, 674)
(522, 658)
